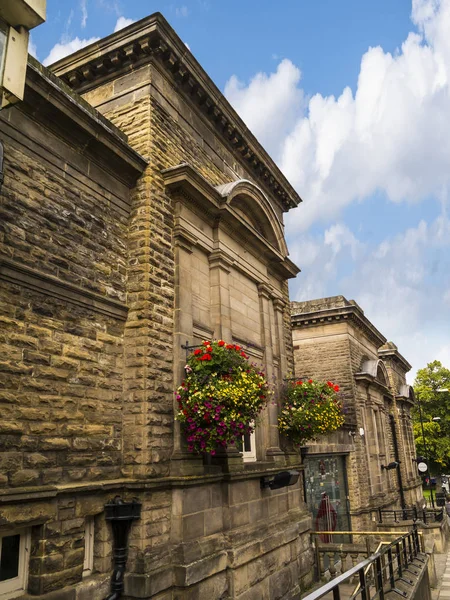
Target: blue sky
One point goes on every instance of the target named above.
(352, 100)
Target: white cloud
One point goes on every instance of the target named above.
(182, 11)
(64, 48)
(32, 47)
(390, 135)
(84, 12)
(398, 283)
(270, 104)
(122, 22)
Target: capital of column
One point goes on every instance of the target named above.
(279, 304)
(184, 239)
(265, 291)
(219, 260)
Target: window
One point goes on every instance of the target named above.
(14, 559)
(88, 564)
(249, 447)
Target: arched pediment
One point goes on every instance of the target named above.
(376, 369)
(407, 391)
(253, 206)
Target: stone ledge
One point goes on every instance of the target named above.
(22, 275)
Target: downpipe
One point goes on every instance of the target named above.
(121, 515)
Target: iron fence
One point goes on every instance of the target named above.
(380, 573)
(411, 514)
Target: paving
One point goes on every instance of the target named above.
(442, 590)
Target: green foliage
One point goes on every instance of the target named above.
(434, 404)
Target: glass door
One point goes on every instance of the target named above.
(327, 496)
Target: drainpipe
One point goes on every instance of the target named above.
(1, 166)
(121, 515)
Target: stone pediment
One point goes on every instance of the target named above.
(241, 206)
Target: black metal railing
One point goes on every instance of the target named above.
(411, 514)
(378, 574)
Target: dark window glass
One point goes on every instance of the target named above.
(247, 442)
(9, 562)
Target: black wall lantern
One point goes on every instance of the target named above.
(280, 480)
(391, 465)
(121, 515)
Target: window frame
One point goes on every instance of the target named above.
(88, 561)
(249, 455)
(17, 586)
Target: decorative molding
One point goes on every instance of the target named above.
(22, 275)
(265, 291)
(390, 351)
(152, 39)
(219, 260)
(184, 183)
(184, 239)
(371, 381)
(349, 313)
(279, 304)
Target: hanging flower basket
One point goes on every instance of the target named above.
(221, 396)
(310, 408)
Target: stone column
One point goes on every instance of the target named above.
(220, 295)
(273, 451)
(220, 265)
(279, 305)
(182, 461)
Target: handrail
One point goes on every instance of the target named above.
(363, 532)
(355, 591)
(406, 549)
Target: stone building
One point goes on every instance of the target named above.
(137, 213)
(334, 340)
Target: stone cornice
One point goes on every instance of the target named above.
(22, 275)
(55, 104)
(351, 313)
(372, 381)
(396, 356)
(152, 39)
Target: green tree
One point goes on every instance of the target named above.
(429, 387)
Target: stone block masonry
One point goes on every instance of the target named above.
(121, 236)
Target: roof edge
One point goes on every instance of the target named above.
(153, 39)
(43, 82)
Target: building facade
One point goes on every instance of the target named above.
(334, 340)
(138, 216)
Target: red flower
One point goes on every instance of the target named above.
(336, 388)
(237, 348)
(229, 347)
(198, 351)
(244, 355)
(221, 343)
(329, 384)
(299, 382)
(209, 349)
(206, 357)
(207, 343)
(310, 381)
